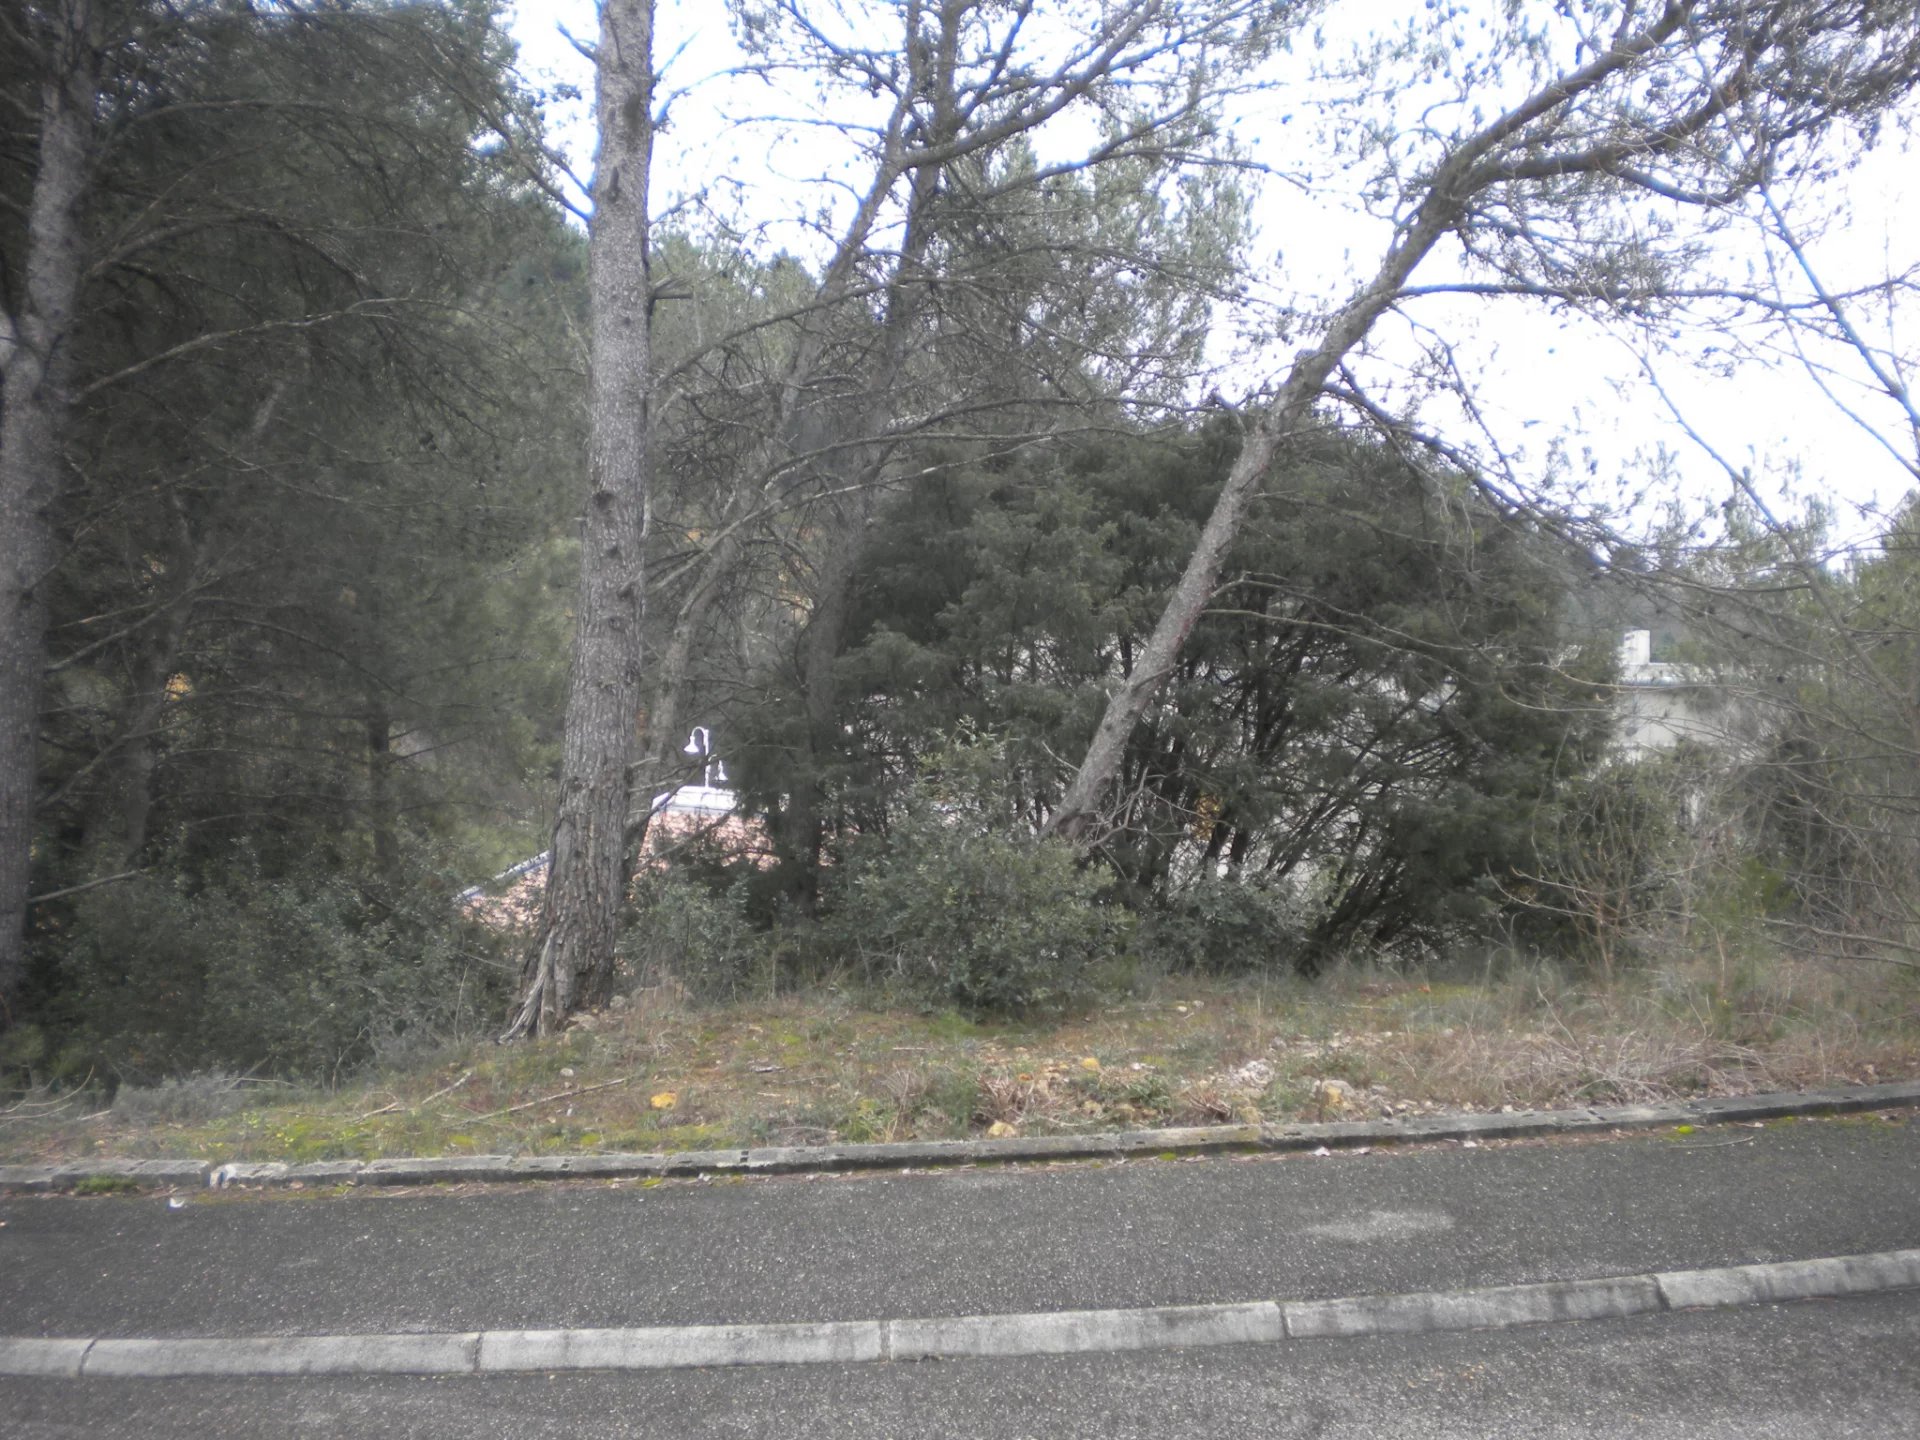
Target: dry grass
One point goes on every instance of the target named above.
(665, 1074)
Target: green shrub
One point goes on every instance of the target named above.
(23, 1048)
(1609, 863)
(1223, 926)
(685, 929)
(303, 976)
(965, 914)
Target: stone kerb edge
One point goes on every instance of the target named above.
(936, 1154)
(866, 1341)
(1790, 1280)
(1494, 1308)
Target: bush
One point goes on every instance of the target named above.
(1225, 927)
(1611, 862)
(298, 976)
(966, 914)
(686, 930)
(188, 1101)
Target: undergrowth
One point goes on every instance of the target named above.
(667, 1072)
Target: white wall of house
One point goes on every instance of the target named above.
(1660, 704)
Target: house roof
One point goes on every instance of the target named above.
(678, 815)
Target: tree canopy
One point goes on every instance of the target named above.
(361, 515)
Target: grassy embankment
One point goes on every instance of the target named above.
(663, 1074)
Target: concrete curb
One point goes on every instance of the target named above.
(1494, 1308)
(1067, 1332)
(938, 1154)
(283, 1355)
(674, 1347)
(1265, 1322)
(43, 1359)
(1791, 1280)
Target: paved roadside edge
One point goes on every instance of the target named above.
(935, 1154)
(506, 1352)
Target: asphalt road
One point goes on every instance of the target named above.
(972, 1242)
(992, 1241)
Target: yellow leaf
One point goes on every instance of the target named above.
(665, 1100)
(1090, 1064)
(999, 1130)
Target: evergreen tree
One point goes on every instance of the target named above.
(301, 429)
(1366, 717)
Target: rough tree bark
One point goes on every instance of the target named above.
(572, 964)
(34, 363)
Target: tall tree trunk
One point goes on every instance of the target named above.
(34, 360)
(572, 965)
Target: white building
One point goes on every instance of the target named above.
(707, 809)
(1661, 703)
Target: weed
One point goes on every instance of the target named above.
(1206, 1102)
(815, 1068)
(105, 1185)
(1145, 1089)
(948, 1100)
(951, 1025)
(191, 1100)
(869, 1119)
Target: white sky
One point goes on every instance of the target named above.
(1543, 382)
